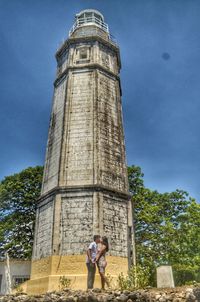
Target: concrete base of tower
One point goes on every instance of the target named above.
(46, 272)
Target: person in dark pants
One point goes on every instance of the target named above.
(91, 261)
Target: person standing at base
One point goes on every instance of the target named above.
(91, 261)
(102, 263)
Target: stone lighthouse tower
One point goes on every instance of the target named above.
(85, 186)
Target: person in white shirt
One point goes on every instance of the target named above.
(91, 261)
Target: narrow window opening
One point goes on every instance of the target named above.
(83, 54)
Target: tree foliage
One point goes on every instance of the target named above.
(166, 225)
(18, 196)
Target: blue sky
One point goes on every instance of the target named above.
(160, 53)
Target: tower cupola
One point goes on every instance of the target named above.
(89, 17)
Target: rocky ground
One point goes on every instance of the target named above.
(185, 294)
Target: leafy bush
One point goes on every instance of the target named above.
(64, 282)
(186, 274)
(19, 289)
(138, 277)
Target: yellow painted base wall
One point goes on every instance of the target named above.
(46, 272)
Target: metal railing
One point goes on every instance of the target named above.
(87, 21)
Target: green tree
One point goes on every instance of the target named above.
(18, 199)
(135, 179)
(166, 226)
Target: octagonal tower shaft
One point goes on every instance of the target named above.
(85, 185)
(86, 140)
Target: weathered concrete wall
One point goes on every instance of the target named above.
(77, 222)
(115, 224)
(77, 158)
(112, 164)
(44, 229)
(81, 214)
(51, 168)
